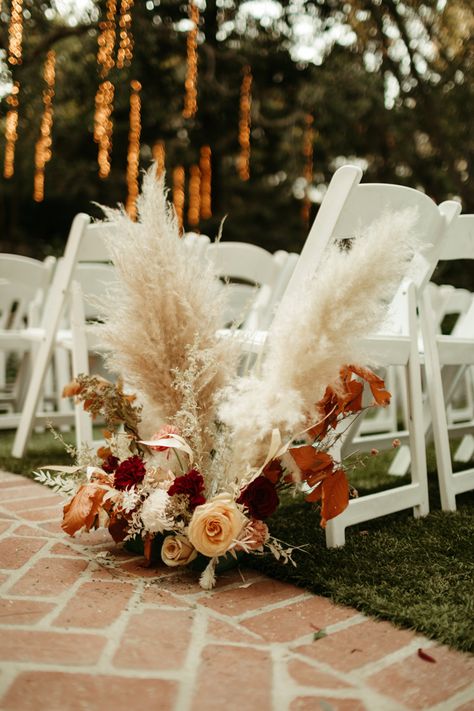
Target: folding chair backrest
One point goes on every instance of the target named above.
(250, 274)
(369, 201)
(23, 286)
(459, 244)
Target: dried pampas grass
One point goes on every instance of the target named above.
(317, 331)
(161, 318)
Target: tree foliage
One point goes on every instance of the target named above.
(388, 83)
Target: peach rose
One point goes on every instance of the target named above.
(177, 550)
(215, 525)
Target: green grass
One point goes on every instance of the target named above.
(417, 573)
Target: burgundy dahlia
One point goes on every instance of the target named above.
(130, 472)
(191, 485)
(260, 497)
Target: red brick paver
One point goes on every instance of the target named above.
(84, 626)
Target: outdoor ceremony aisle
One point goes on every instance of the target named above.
(84, 627)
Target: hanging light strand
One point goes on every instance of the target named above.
(103, 126)
(158, 153)
(194, 209)
(11, 132)
(43, 150)
(15, 33)
(178, 194)
(308, 153)
(190, 84)
(243, 163)
(106, 39)
(125, 50)
(206, 181)
(133, 157)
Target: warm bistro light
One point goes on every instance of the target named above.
(158, 153)
(125, 50)
(103, 126)
(190, 84)
(104, 98)
(206, 180)
(243, 162)
(133, 156)
(308, 139)
(11, 134)
(178, 194)
(106, 40)
(15, 32)
(43, 144)
(194, 208)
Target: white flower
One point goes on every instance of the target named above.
(153, 513)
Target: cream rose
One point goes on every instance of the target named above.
(215, 525)
(177, 550)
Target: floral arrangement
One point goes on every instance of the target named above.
(195, 456)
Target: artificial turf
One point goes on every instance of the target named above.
(417, 573)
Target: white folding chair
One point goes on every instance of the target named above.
(85, 244)
(348, 207)
(397, 346)
(254, 280)
(24, 283)
(441, 352)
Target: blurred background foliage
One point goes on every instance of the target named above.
(389, 84)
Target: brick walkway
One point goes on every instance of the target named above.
(84, 627)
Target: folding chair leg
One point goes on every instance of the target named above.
(416, 425)
(434, 386)
(40, 368)
(80, 363)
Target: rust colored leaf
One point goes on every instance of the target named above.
(335, 496)
(315, 495)
(273, 471)
(376, 384)
(71, 389)
(425, 656)
(118, 528)
(314, 465)
(82, 509)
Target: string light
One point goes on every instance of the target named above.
(103, 126)
(243, 162)
(125, 50)
(106, 40)
(158, 153)
(178, 194)
(133, 156)
(308, 140)
(43, 151)
(206, 180)
(15, 32)
(194, 208)
(190, 84)
(11, 134)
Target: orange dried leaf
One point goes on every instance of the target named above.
(71, 389)
(315, 495)
(335, 496)
(376, 384)
(104, 452)
(82, 509)
(313, 464)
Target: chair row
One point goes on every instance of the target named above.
(45, 306)
(262, 287)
